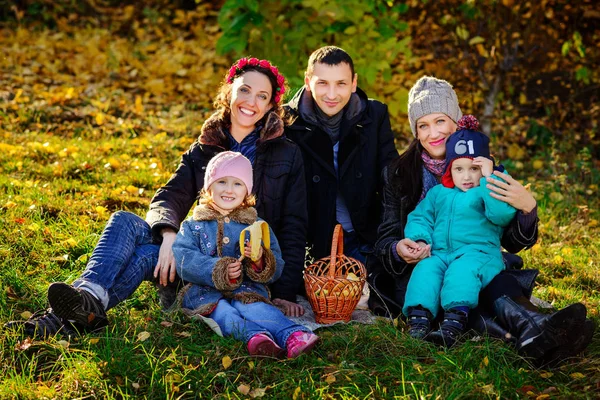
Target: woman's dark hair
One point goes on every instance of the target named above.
(405, 174)
(223, 98)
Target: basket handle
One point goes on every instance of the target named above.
(337, 248)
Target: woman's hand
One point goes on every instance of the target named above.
(290, 309)
(412, 252)
(511, 192)
(486, 165)
(165, 268)
(234, 270)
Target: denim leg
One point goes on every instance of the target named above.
(124, 233)
(232, 323)
(269, 318)
(139, 268)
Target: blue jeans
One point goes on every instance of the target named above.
(242, 321)
(123, 258)
(354, 248)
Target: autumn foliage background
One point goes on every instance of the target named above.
(98, 99)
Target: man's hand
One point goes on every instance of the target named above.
(165, 268)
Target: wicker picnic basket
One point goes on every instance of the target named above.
(334, 284)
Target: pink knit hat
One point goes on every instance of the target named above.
(229, 163)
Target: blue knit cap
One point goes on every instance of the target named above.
(466, 142)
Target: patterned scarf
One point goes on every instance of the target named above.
(432, 172)
(248, 145)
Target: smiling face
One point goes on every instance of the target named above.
(228, 192)
(251, 95)
(432, 132)
(465, 175)
(331, 86)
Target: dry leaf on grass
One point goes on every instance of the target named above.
(226, 361)
(244, 389)
(258, 392)
(142, 336)
(24, 345)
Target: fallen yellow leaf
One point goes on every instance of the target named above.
(26, 314)
(577, 375)
(330, 378)
(226, 362)
(142, 336)
(297, 393)
(94, 340)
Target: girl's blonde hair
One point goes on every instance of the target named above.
(206, 199)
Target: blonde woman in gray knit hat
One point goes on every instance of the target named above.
(433, 111)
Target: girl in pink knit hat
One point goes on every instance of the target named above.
(225, 284)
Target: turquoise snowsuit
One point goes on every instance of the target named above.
(464, 229)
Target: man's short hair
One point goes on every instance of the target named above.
(330, 55)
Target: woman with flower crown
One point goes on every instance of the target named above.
(248, 119)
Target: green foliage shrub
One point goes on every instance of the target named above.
(287, 31)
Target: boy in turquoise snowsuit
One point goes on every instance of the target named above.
(463, 224)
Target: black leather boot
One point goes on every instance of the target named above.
(419, 322)
(579, 339)
(484, 323)
(451, 329)
(538, 334)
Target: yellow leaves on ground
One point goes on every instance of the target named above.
(102, 211)
(226, 361)
(70, 242)
(100, 118)
(297, 393)
(143, 336)
(577, 375)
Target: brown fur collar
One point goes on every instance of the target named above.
(213, 130)
(245, 216)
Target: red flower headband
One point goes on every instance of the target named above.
(238, 67)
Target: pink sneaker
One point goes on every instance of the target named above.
(300, 342)
(262, 345)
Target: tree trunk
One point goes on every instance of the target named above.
(490, 105)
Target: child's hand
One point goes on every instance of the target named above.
(486, 165)
(248, 251)
(234, 270)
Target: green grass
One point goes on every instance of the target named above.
(63, 170)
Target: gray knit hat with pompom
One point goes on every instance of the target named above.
(431, 95)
